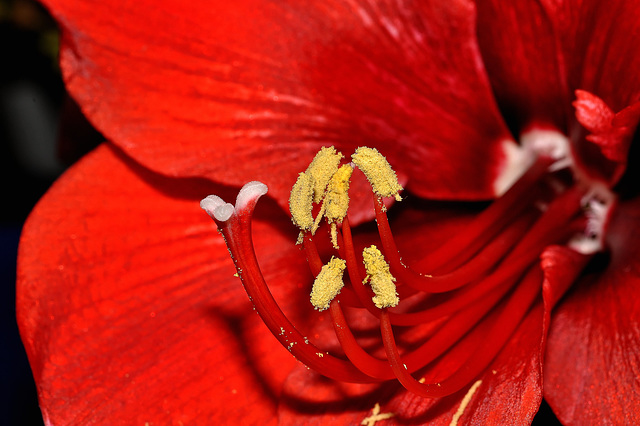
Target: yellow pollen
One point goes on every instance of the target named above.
(310, 187)
(380, 278)
(301, 202)
(337, 199)
(376, 416)
(323, 166)
(465, 401)
(378, 171)
(328, 283)
(336, 202)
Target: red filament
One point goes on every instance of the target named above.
(484, 280)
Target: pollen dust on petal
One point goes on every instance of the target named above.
(376, 416)
(465, 401)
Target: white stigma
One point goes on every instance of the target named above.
(217, 208)
(221, 211)
(250, 191)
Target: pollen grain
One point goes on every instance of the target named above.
(376, 416)
(337, 199)
(380, 278)
(301, 202)
(465, 401)
(378, 171)
(336, 202)
(328, 283)
(323, 166)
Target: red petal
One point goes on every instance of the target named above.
(591, 372)
(561, 267)
(520, 52)
(538, 53)
(511, 390)
(610, 132)
(594, 39)
(129, 309)
(250, 89)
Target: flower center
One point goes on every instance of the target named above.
(466, 297)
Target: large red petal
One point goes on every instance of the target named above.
(129, 309)
(251, 89)
(538, 53)
(594, 39)
(520, 51)
(592, 367)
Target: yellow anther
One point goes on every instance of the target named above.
(328, 283)
(378, 171)
(324, 165)
(301, 202)
(310, 187)
(337, 199)
(336, 202)
(380, 278)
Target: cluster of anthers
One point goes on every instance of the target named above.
(484, 279)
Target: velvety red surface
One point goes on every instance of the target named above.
(127, 303)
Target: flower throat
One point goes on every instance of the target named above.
(463, 300)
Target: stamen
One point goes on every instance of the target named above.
(467, 296)
(337, 199)
(359, 357)
(236, 230)
(506, 323)
(311, 186)
(301, 202)
(348, 252)
(378, 171)
(323, 166)
(328, 283)
(336, 202)
(475, 268)
(380, 278)
(491, 220)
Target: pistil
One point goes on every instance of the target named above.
(482, 282)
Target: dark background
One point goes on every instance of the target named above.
(30, 93)
(42, 132)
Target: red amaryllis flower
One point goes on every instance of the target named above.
(127, 301)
